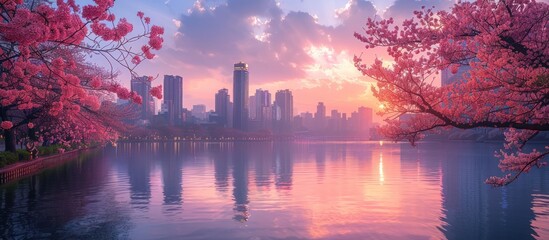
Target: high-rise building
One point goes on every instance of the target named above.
(320, 111)
(252, 108)
(173, 98)
(320, 116)
(365, 115)
(334, 123)
(308, 120)
(240, 96)
(230, 118)
(262, 100)
(199, 111)
(142, 86)
(284, 105)
(262, 109)
(222, 100)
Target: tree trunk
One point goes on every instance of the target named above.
(9, 137)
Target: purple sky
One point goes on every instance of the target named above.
(306, 46)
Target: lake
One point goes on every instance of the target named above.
(278, 190)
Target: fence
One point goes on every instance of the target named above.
(20, 170)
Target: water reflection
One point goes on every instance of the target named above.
(240, 182)
(58, 205)
(171, 174)
(290, 190)
(473, 210)
(283, 165)
(221, 168)
(139, 174)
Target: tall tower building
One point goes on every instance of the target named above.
(284, 105)
(262, 101)
(365, 115)
(173, 97)
(222, 100)
(252, 108)
(320, 111)
(320, 116)
(240, 96)
(142, 86)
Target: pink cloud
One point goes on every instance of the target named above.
(278, 47)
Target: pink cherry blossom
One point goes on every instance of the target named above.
(503, 87)
(45, 69)
(157, 91)
(6, 125)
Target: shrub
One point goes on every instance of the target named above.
(43, 150)
(8, 158)
(23, 155)
(49, 150)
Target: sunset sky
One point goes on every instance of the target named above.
(306, 46)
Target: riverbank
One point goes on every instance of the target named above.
(22, 169)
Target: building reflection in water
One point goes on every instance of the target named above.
(172, 177)
(320, 160)
(474, 210)
(221, 166)
(283, 190)
(240, 160)
(263, 165)
(138, 156)
(283, 165)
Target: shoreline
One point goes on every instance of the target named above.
(23, 169)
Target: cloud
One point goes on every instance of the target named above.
(217, 37)
(288, 50)
(353, 18)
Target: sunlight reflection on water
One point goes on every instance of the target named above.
(319, 190)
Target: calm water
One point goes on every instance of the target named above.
(277, 191)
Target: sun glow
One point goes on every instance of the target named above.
(381, 175)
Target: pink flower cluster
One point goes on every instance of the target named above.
(157, 91)
(6, 125)
(96, 82)
(497, 42)
(124, 93)
(46, 69)
(115, 34)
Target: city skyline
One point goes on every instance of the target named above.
(247, 113)
(317, 61)
(254, 119)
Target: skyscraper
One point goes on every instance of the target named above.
(262, 101)
(284, 105)
(173, 97)
(199, 111)
(222, 100)
(320, 116)
(252, 108)
(142, 86)
(320, 111)
(364, 118)
(240, 96)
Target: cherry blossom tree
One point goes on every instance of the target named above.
(505, 44)
(48, 88)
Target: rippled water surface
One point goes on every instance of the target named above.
(319, 190)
